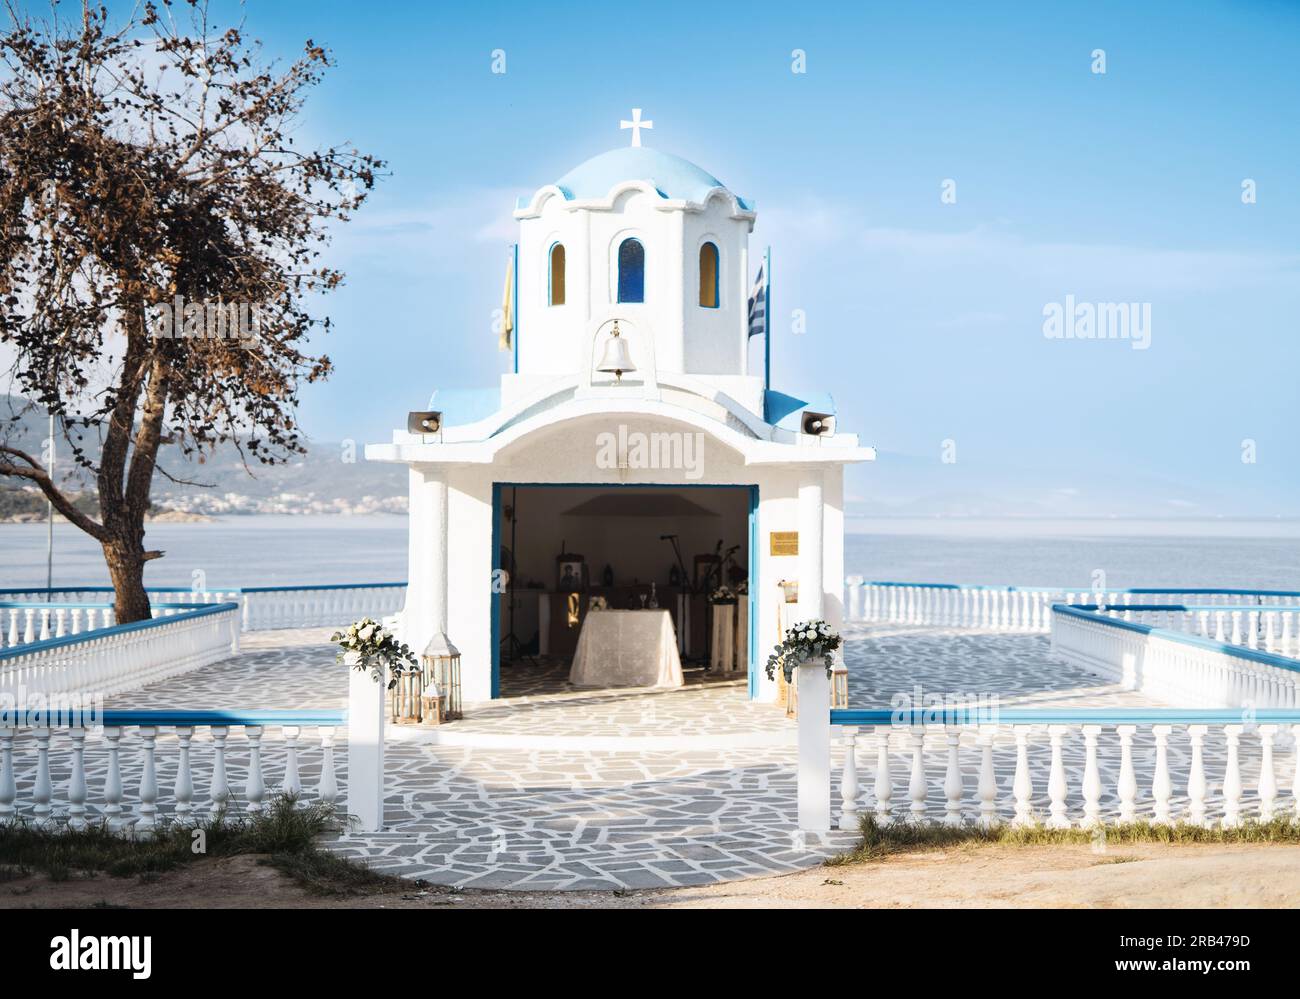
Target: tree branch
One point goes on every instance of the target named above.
(35, 473)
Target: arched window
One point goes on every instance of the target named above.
(557, 274)
(709, 276)
(631, 271)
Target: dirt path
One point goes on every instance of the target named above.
(973, 877)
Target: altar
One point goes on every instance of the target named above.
(627, 648)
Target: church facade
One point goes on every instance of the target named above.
(630, 457)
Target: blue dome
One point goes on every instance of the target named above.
(671, 176)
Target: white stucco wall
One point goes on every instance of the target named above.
(567, 453)
(688, 338)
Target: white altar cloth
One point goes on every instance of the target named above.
(627, 648)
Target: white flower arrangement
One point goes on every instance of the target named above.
(722, 595)
(803, 642)
(368, 646)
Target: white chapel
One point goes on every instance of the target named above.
(632, 501)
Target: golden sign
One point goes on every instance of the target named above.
(784, 542)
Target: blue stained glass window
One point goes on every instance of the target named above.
(631, 271)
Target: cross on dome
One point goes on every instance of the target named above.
(636, 124)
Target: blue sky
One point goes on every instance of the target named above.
(924, 319)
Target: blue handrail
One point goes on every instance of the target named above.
(207, 589)
(977, 713)
(220, 717)
(1084, 589)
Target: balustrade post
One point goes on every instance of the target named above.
(1091, 777)
(916, 788)
(183, 790)
(952, 779)
(113, 779)
(219, 792)
(255, 787)
(147, 811)
(1021, 786)
(8, 790)
(328, 789)
(1295, 777)
(1161, 787)
(988, 788)
(884, 782)
(849, 781)
(41, 789)
(1056, 787)
(1196, 784)
(1127, 788)
(1267, 775)
(1232, 778)
(77, 782)
(292, 784)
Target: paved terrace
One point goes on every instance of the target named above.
(634, 788)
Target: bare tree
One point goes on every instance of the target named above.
(150, 186)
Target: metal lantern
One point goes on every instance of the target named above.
(404, 706)
(616, 357)
(440, 669)
(430, 701)
(840, 686)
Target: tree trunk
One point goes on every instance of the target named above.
(126, 561)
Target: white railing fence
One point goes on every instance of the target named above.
(1268, 628)
(134, 771)
(267, 608)
(1177, 666)
(1028, 608)
(1066, 769)
(37, 615)
(1059, 767)
(124, 657)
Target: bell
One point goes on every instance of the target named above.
(616, 357)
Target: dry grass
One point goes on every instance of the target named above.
(909, 837)
(284, 835)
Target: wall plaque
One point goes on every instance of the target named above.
(783, 542)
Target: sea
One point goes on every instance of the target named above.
(270, 550)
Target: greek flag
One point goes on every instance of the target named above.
(758, 304)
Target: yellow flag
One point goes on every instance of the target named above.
(506, 341)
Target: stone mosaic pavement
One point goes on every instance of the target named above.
(645, 815)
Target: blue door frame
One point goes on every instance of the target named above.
(499, 487)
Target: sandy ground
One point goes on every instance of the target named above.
(968, 877)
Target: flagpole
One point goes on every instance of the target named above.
(514, 303)
(49, 523)
(767, 327)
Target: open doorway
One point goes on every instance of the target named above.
(566, 551)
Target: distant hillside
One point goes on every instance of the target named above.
(329, 478)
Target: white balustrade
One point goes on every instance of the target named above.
(105, 662)
(28, 617)
(1271, 621)
(46, 773)
(1174, 668)
(1092, 772)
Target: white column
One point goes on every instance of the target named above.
(425, 612)
(366, 711)
(814, 745)
(811, 538)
